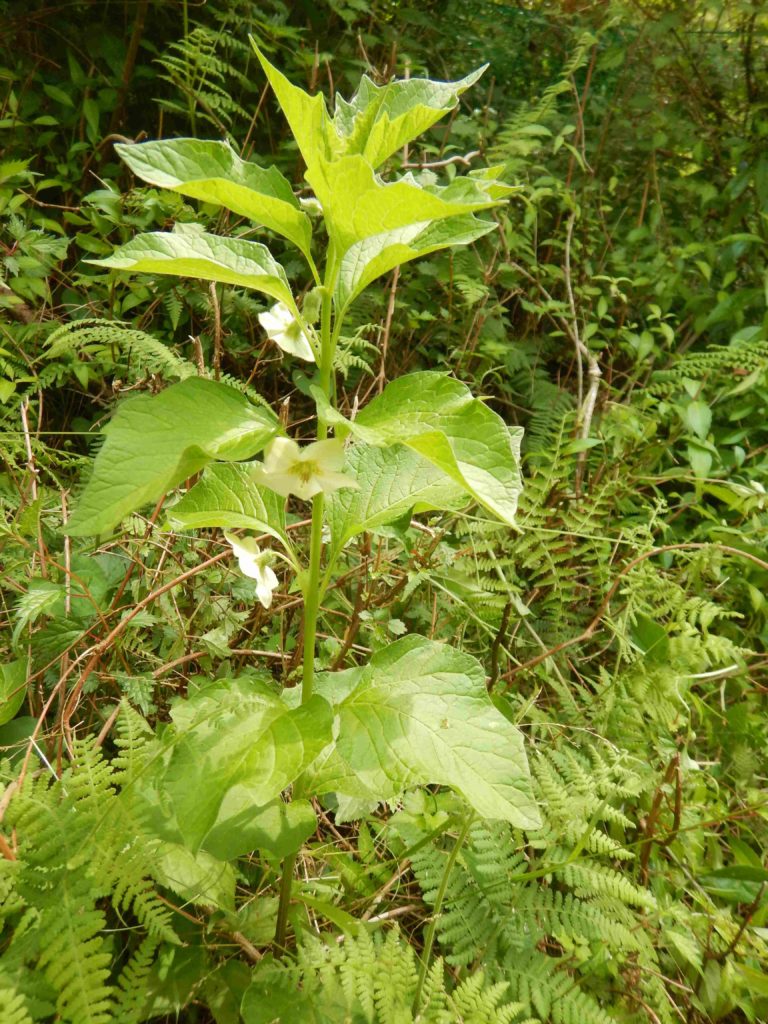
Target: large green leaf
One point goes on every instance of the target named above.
(307, 116)
(278, 829)
(236, 741)
(155, 442)
(419, 713)
(373, 256)
(196, 877)
(198, 254)
(375, 123)
(357, 204)
(439, 418)
(392, 482)
(379, 120)
(214, 173)
(13, 688)
(227, 497)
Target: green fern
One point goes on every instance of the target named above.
(76, 847)
(13, 1005)
(372, 979)
(514, 138)
(130, 996)
(144, 354)
(720, 363)
(525, 930)
(194, 68)
(355, 352)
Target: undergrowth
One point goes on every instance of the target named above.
(622, 627)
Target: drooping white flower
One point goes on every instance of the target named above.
(305, 472)
(254, 562)
(283, 328)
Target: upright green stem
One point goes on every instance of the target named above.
(312, 588)
(429, 937)
(312, 597)
(190, 91)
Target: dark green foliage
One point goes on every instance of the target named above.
(636, 134)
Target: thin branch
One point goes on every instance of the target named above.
(216, 331)
(382, 376)
(94, 653)
(34, 473)
(587, 633)
(586, 405)
(464, 160)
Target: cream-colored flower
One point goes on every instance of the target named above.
(254, 562)
(283, 328)
(305, 472)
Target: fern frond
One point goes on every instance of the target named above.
(131, 984)
(372, 978)
(144, 354)
(747, 356)
(13, 1005)
(76, 846)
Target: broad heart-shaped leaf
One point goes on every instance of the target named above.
(373, 256)
(155, 442)
(439, 418)
(357, 204)
(236, 741)
(210, 257)
(379, 120)
(419, 713)
(392, 482)
(214, 173)
(226, 496)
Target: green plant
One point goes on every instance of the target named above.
(423, 443)
(622, 628)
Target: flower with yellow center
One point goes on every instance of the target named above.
(284, 329)
(305, 472)
(254, 562)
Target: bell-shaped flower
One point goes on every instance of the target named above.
(305, 472)
(254, 562)
(284, 329)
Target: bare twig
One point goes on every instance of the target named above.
(583, 354)
(497, 644)
(33, 475)
(387, 915)
(465, 160)
(253, 954)
(382, 377)
(107, 727)
(650, 824)
(94, 653)
(216, 331)
(748, 915)
(198, 352)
